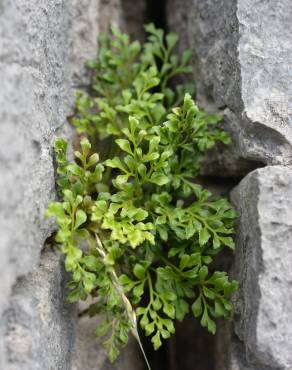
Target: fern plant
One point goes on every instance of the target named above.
(138, 233)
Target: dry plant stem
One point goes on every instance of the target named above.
(128, 307)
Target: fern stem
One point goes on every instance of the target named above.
(128, 307)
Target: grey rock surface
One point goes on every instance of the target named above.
(34, 101)
(83, 29)
(242, 68)
(242, 65)
(122, 14)
(43, 46)
(263, 260)
(134, 18)
(39, 326)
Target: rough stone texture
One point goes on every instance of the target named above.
(123, 14)
(39, 326)
(243, 67)
(263, 266)
(34, 103)
(83, 30)
(43, 46)
(135, 17)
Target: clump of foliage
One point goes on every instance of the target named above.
(138, 234)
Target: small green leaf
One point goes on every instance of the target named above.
(113, 353)
(197, 307)
(93, 159)
(207, 322)
(171, 40)
(85, 145)
(140, 214)
(91, 262)
(184, 261)
(80, 218)
(169, 310)
(157, 304)
(181, 309)
(142, 170)
(75, 169)
(121, 180)
(133, 124)
(149, 328)
(74, 296)
(216, 242)
(203, 272)
(228, 241)
(190, 230)
(138, 290)
(204, 236)
(219, 309)
(159, 179)
(124, 145)
(89, 280)
(156, 341)
(139, 271)
(125, 280)
(102, 328)
(114, 163)
(208, 293)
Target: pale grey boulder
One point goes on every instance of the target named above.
(263, 261)
(83, 30)
(39, 325)
(43, 47)
(242, 67)
(34, 101)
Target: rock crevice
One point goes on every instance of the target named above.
(242, 64)
(43, 47)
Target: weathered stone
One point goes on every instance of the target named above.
(84, 27)
(35, 83)
(263, 267)
(43, 49)
(122, 14)
(135, 18)
(243, 53)
(39, 326)
(242, 58)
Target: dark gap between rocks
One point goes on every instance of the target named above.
(156, 12)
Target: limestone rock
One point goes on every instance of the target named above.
(122, 14)
(242, 58)
(39, 325)
(83, 29)
(263, 267)
(34, 102)
(43, 47)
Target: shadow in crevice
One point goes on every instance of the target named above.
(156, 12)
(191, 348)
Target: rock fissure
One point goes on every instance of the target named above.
(242, 63)
(242, 59)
